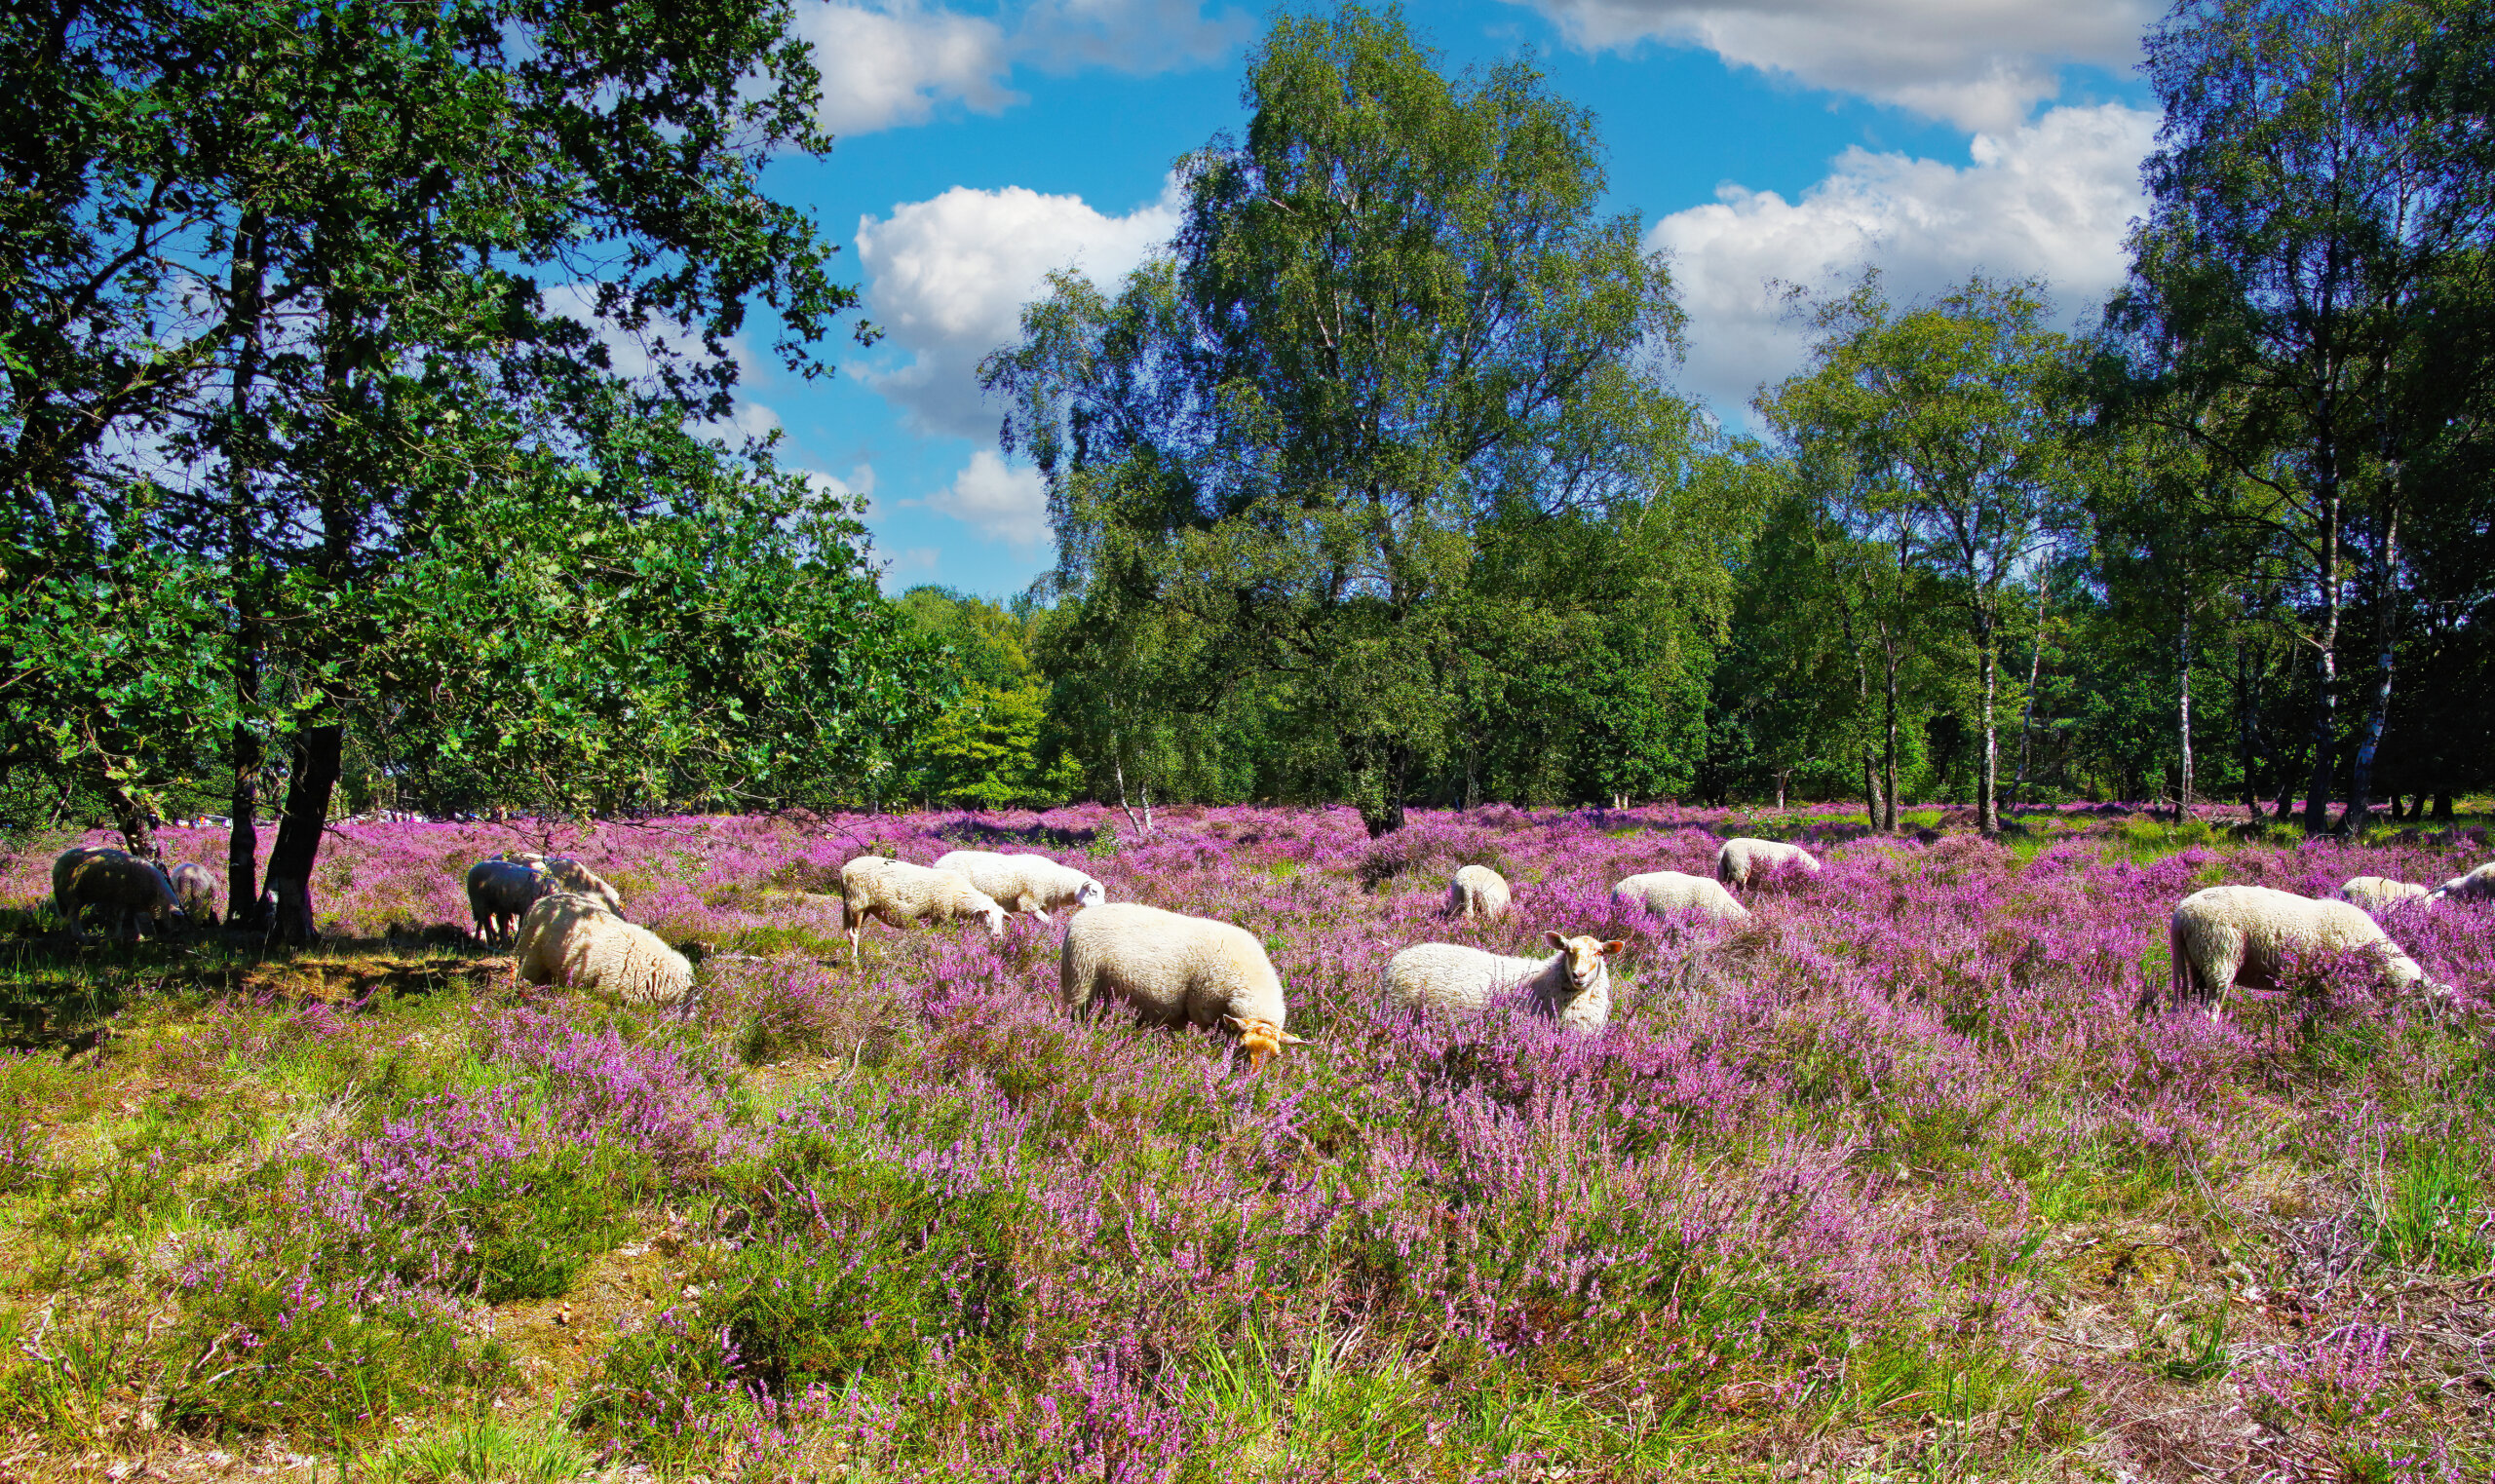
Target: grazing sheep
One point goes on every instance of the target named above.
(2375, 893)
(1737, 861)
(571, 940)
(2229, 935)
(1478, 891)
(499, 891)
(2469, 886)
(572, 876)
(1665, 892)
(1572, 986)
(196, 891)
(1030, 884)
(901, 894)
(1175, 969)
(86, 876)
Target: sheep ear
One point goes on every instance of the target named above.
(1614, 946)
(1233, 1022)
(1290, 1040)
(1554, 941)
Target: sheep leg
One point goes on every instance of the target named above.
(1040, 914)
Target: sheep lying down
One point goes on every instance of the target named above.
(1175, 969)
(1572, 988)
(2229, 935)
(571, 940)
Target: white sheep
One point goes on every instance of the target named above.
(128, 888)
(571, 940)
(2469, 886)
(500, 891)
(1478, 891)
(1030, 884)
(195, 889)
(1175, 970)
(2376, 893)
(2223, 936)
(572, 876)
(1665, 892)
(1739, 860)
(901, 894)
(1573, 986)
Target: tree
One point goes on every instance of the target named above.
(2295, 276)
(1392, 318)
(1950, 415)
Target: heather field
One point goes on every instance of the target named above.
(1887, 1182)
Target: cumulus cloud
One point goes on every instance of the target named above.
(2052, 200)
(857, 491)
(891, 62)
(947, 279)
(1001, 501)
(1982, 65)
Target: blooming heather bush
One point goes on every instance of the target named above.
(1875, 1169)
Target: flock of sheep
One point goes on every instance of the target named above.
(566, 927)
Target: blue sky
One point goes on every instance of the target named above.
(981, 144)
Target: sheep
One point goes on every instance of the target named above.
(2223, 936)
(1030, 884)
(1739, 860)
(99, 876)
(196, 889)
(572, 876)
(901, 894)
(499, 891)
(1573, 986)
(1175, 969)
(2469, 886)
(1478, 891)
(2376, 893)
(1665, 892)
(571, 940)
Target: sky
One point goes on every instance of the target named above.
(1757, 143)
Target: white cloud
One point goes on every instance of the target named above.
(889, 62)
(1978, 63)
(2052, 201)
(909, 560)
(857, 491)
(947, 279)
(1002, 502)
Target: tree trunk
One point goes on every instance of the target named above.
(2183, 715)
(2325, 658)
(2442, 805)
(2246, 701)
(1381, 794)
(1988, 770)
(311, 778)
(2377, 713)
(2028, 713)
(243, 842)
(1889, 740)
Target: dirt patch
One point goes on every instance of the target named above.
(559, 1341)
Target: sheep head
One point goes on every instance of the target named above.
(1263, 1039)
(1092, 895)
(1586, 956)
(994, 915)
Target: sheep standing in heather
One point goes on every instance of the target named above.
(1478, 891)
(196, 891)
(2375, 893)
(1031, 884)
(571, 940)
(1175, 969)
(1739, 860)
(1666, 893)
(904, 896)
(127, 888)
(499, 891)
(2229, 935)
(1572, 988)
(2469, 886)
